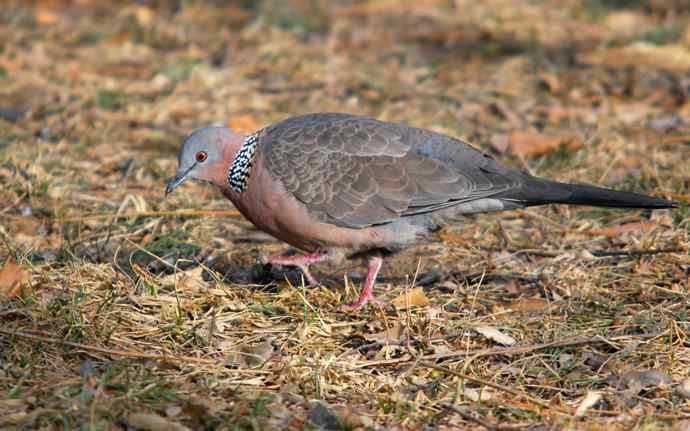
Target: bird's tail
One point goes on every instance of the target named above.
(539, 191)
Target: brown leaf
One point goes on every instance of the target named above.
(252, 356)
(475, 395)
(412, 298)
(550, 81)
(13, 278)
(635, 381)
(46, 17)
(614, 231)
(589, 401)
(527, 305)
(185, 280)
(394, 333)
(674, 57)
(243, 123)
(626, 24)
(531, 144)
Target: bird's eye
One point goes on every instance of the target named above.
(201, 156)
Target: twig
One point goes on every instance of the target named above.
(181, 213)
(606, 253)
(482, 422)
(512, 392)
(125, 353)
(577, 340)
(291, 88)
(596, 253)
(469, 417)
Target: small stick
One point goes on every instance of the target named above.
(606, 253)
(479, 421)
(577, 340)
(512, 392)
(125, 353)
(181, 213)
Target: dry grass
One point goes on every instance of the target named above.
(95, 99)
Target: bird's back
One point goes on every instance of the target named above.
(356, 171)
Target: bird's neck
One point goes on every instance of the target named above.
(242, 161)
(218, 172)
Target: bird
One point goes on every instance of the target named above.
(341, 186)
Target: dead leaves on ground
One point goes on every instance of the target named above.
(671, 57)
(529, 144)
(111, 100)
(412, 298)
(494, 334)
(616, 231)
(251, 356)
(190, 280)
(14, 279)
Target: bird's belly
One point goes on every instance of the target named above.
(285, 218)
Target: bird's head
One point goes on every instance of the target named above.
(206, 155)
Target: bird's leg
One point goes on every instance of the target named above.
(367, 293)
(300, 261)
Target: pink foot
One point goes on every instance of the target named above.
(367, 294)
(300, 261)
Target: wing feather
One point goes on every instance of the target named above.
(357, 172)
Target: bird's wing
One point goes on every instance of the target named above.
(357, 172)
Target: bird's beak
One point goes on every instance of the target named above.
(180, 177)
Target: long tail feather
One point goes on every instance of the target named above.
(538, 191)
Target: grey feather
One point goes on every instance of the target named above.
(356, 172)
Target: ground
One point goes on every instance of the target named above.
(122, 309)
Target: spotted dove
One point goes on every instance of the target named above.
(338, 186)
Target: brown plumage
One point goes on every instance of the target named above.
(338, 185)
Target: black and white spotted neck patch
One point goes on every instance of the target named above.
(241, 167)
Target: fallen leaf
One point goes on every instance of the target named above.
(173, 410)
(550, 81)
(531, 144)
(477, 395)
(153, 422)
(46, 17)
(188, 280)
(252, 356)
(144, 15)
(527, 305)
(626, 24)
(614, 231)
(243, 123)
(674, 57)
(500, 142)
(412, 298)
(13, 278)
(589, 401)
(394, 333)
(495, 335)
(636, 381)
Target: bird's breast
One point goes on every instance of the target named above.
(272, 209)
